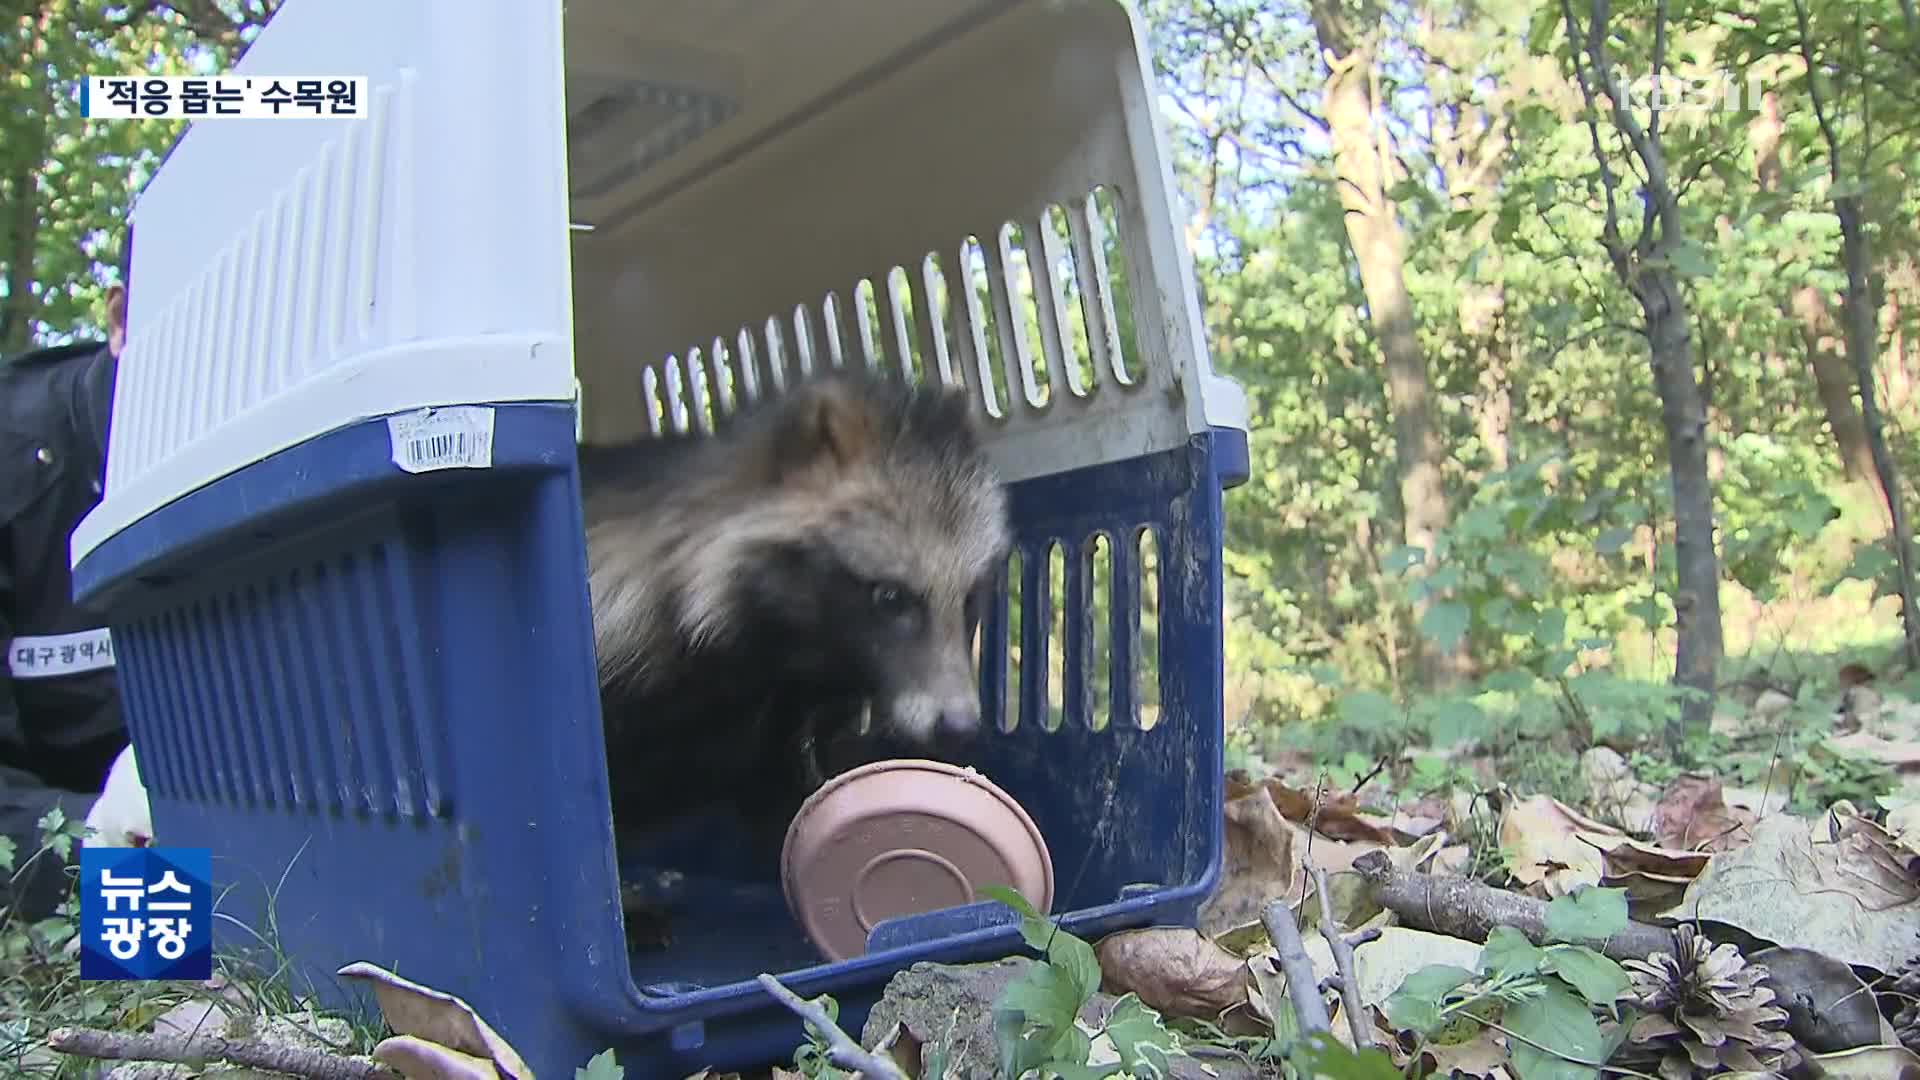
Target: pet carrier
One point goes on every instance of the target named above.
(340, 548)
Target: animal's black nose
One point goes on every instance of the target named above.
(959, 722)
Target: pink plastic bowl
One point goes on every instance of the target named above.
(901, 837)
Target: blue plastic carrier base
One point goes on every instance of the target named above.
(371, 693)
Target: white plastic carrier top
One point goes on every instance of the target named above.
(691, 201)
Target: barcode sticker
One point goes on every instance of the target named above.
(453, 437)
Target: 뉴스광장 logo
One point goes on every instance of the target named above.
(146, 913)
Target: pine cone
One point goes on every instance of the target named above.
(1706, 1011)
(1900, 998)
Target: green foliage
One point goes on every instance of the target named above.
(1545, 996)
(38, 990)
(70, 181)
(1826, 778)
(810, 1057)
(1322, 1055)
(1588, 915)
(601, 1066)
(1556, 562)
(1036, 1018)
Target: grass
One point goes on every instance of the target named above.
(41, 988)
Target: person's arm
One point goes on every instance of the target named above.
(38, 880)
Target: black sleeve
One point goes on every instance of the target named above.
(38, 880)
(93, 411)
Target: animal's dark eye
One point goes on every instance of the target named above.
(889, 598)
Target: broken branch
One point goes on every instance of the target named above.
(842, 1051)
(1302, 988)
(1463, 908)
(1343, 963)
(186, 1050)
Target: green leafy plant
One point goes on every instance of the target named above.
(1544, 997)
(1036, 1018)
(810, 1058)
(601, 1066)
(1322, 1055)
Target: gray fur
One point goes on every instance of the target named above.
(849, 470)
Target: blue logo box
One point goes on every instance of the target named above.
(146, 913)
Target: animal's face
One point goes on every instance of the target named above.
(881, 602)
(905, 528)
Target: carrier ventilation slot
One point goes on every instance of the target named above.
(629, 127)
(224, 344)
(1030, 322)
(304, 685)
(1072, 635)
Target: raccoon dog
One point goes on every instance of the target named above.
(789, 596)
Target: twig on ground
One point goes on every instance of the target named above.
(1463, 908)
(182, 1049)
(1302, 988)
(842, 1051)
(1342, 946)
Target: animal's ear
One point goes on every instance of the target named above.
(950, 413)
(827, 425)
(116, 318)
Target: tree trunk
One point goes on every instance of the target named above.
(1858, 315)
(1858, 312)
(1831, 376)
(1899, 374)
(1683, 414)
(1374, 233)
(1835, 381)
(1644, 267)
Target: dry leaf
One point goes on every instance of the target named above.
(1247, 939)
(1655, 878)
(1552, 848)
(420, 1059)
(192, 1019)
(1693, 815)
(903, 1047)
(1453, 859)
(1416, 819)
(1866, 1063)
(1828, 1007)
(1334, 856)
(1351, 898)
(1270, 986)
(1381, 965)
(1173, 970)
(1331, 813)
(1614, 788)
(1901, 755)
(1631, 856)
(1258, 865)
(1794, 886)
(1903, 824)
(1765, 797)
(412, 1009)
(1270, 983)
(1871, 850)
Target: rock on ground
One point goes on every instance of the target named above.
(953, 1005)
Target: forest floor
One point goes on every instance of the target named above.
(1799, 846)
